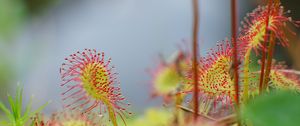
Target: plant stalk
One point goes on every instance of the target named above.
(195, 56)
(270, 51)
(234, 43)
(246, 76)
(269, 61)
(264, 47)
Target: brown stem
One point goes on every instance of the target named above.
(195, 56)
(235, 54)
(269, 61)
(192, 111)
(227, 121)
(282, 70)
(270, 52)
(264, 47)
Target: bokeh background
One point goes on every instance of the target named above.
(36, 36)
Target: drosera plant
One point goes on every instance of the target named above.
(91, 82)
(253, 35)
(15, 114)
(282, 78)
(216, 86)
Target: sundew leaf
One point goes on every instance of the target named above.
(279, 108)
(91, 73)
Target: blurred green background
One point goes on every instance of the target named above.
(13, 15)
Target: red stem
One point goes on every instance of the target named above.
(270, 51)
(269, 61)
(234, 43)
(195, 56)
(262, 70)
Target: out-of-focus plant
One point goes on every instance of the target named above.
(153, 117)
(168, 76)
(273, 109)
(167, 79)
(15, 115)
